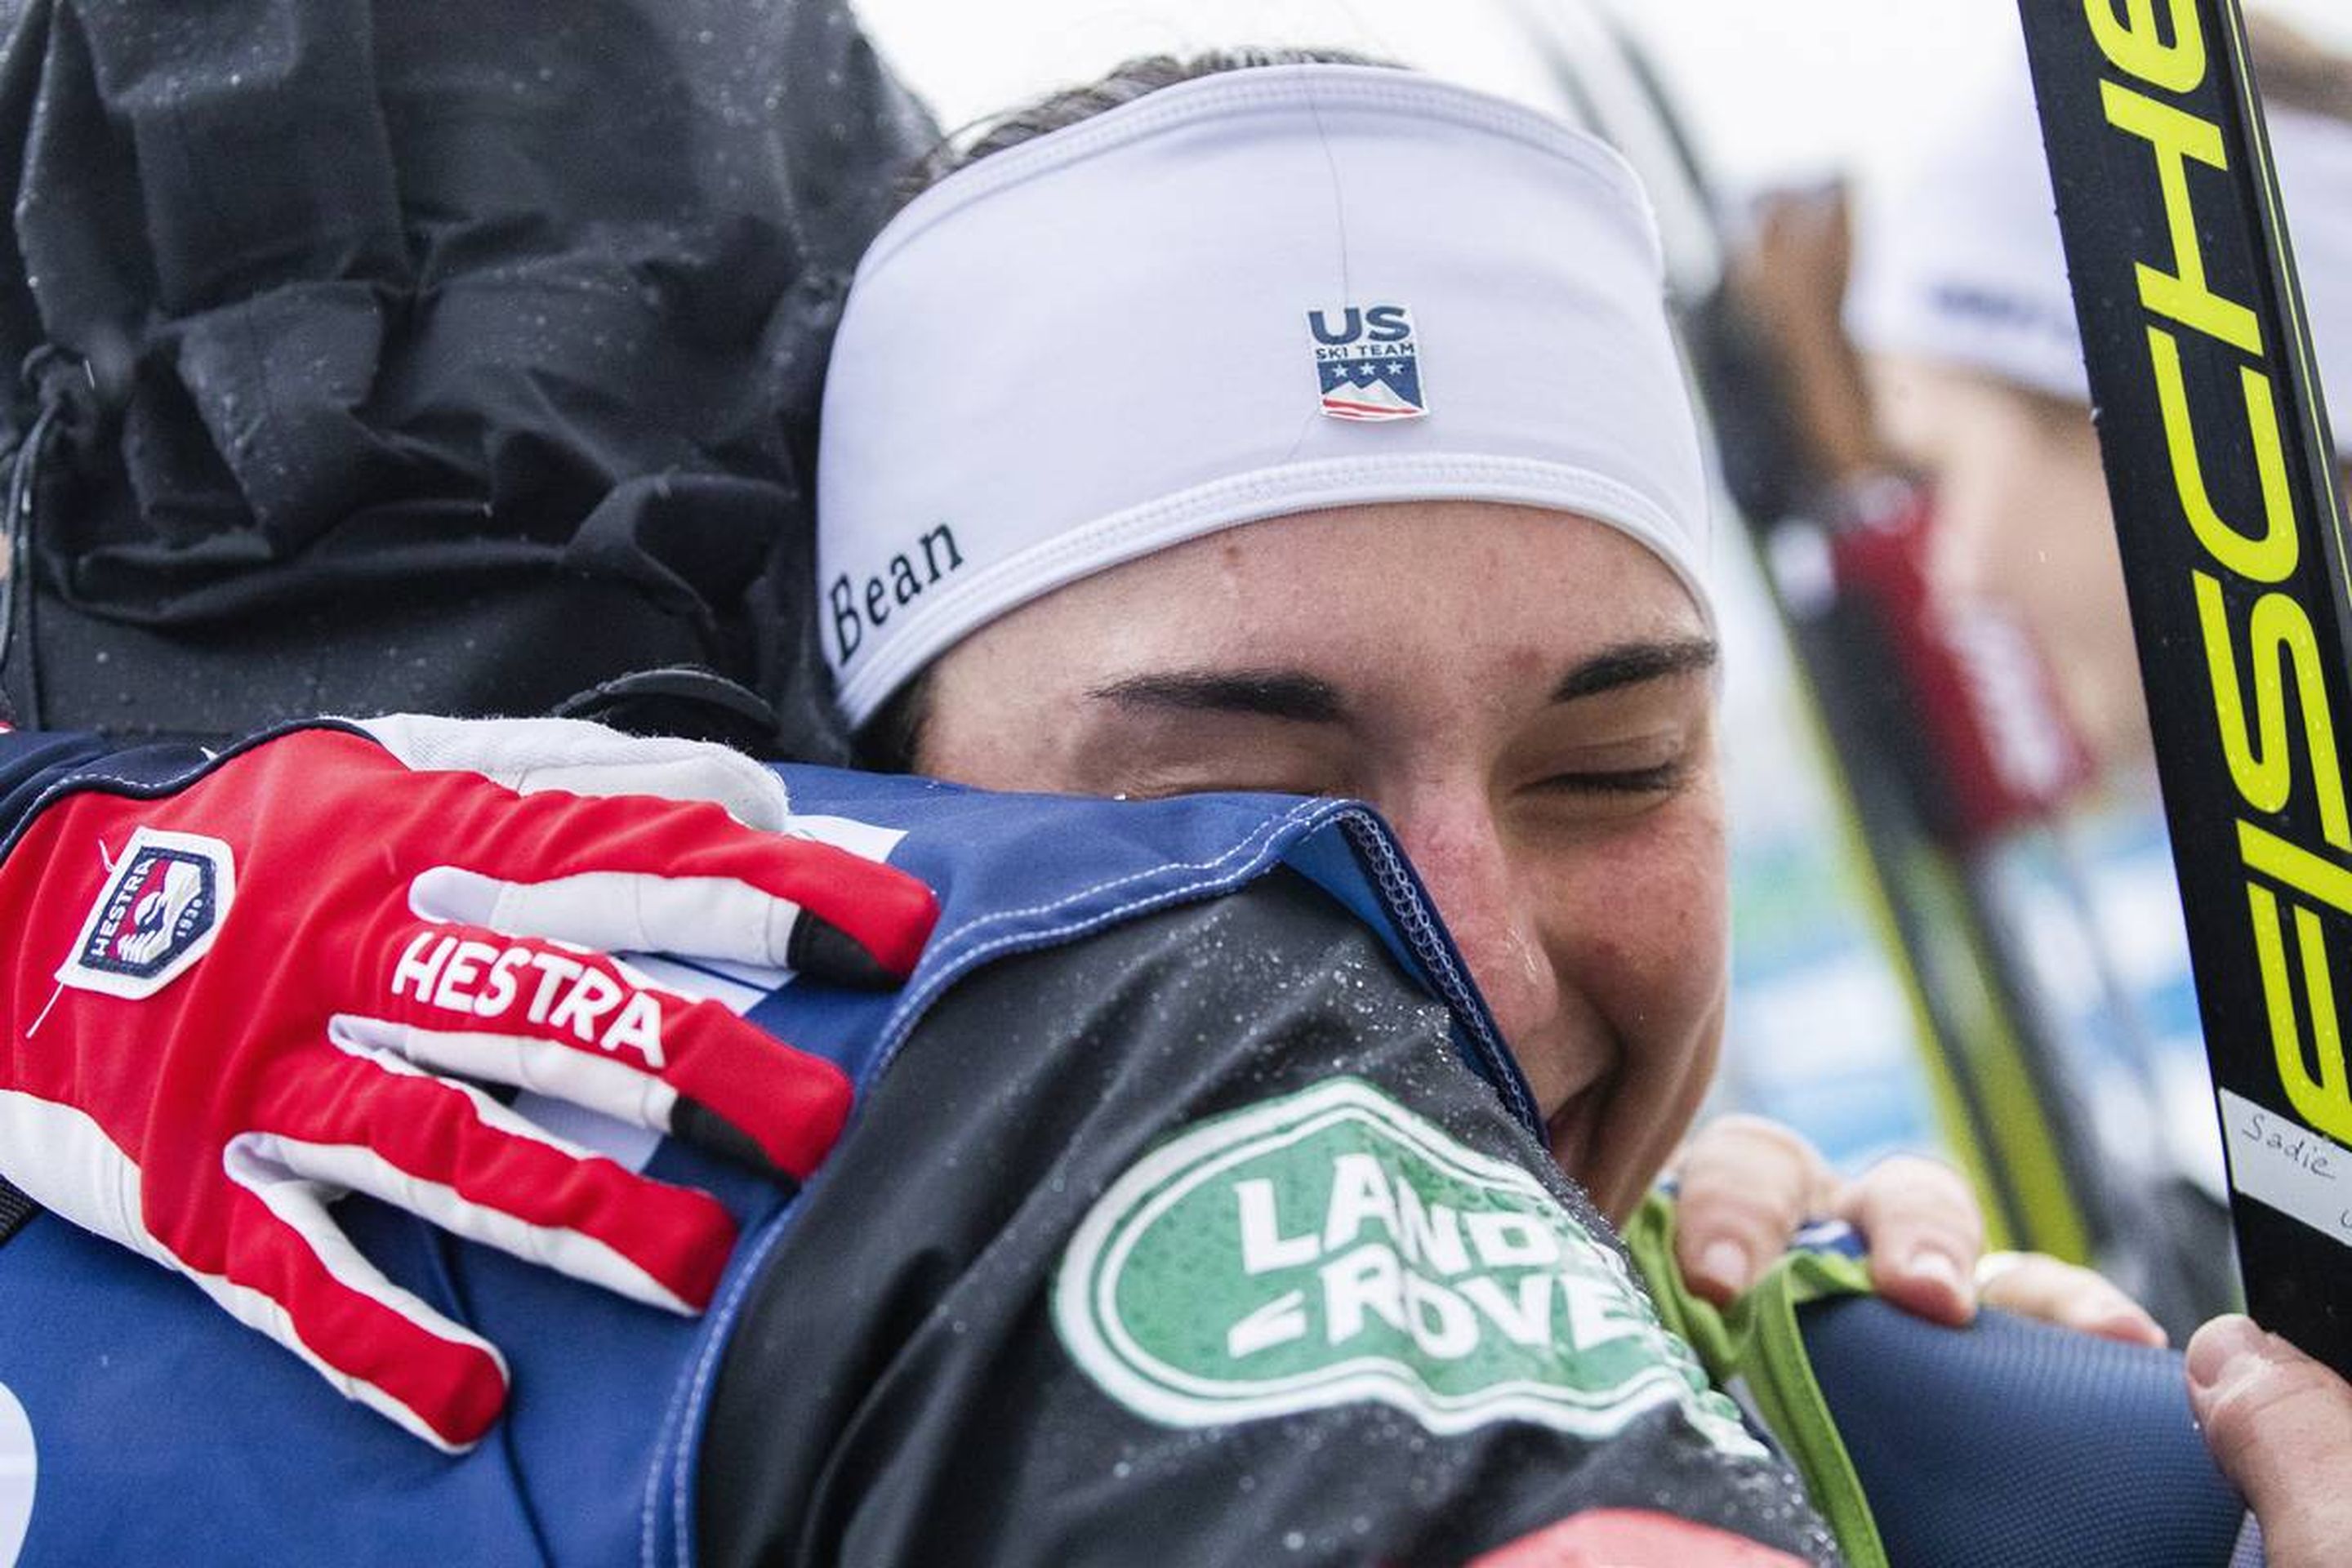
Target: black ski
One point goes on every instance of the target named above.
(2226, 503)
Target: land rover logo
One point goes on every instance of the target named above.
(1331, 1246)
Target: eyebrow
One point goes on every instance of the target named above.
(1266, 693)
(1630, 664)
(1304, 698)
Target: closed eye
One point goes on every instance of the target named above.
(1632, 781)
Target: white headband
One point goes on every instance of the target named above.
(1963, 264)
(1258, 293)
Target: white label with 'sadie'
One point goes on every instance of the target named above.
(2275, 1160)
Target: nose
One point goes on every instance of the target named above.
(1458, 847)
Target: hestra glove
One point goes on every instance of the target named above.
(222, 997)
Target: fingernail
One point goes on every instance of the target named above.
(1933, 1263)
(2218, 1347)
(1725, 1263)
(2124, 1317)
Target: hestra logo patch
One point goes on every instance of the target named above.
(161, 908)
(1367, 363)
(1332, 1247)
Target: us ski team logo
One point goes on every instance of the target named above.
(158, 913)
(1367, 363)
(1332, 1247)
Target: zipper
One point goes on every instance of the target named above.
(1408, 903)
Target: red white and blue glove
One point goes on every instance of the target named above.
(226, 1005)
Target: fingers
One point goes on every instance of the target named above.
(1748, 1186)
(582, 1078)
(291, 1275)
(528, 755)
(1924, 1234)
(711, 918)
(1745, 1185)
(2033, 1285)
(2280, 1424)
(583, 1028)
(637, 874)
(614, 912)
(467, 1163)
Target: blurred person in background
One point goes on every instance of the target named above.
(1959, 307)
(1925, 341)
(1959, 302)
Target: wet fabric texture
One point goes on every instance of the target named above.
(460, 357)
(947, 1418)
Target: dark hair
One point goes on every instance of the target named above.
(1127, 82)
(888, 741)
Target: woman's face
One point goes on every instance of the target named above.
(2021, 519)
(1527, 696)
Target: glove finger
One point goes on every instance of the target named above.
(292, 1275)
(723, 1085)
(774, 1106)
(554, 837)
(707, 918)
(528, 755)
(713, 919)
(276, 1262)
(453, 1155)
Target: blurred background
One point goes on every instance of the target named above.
(1772, 93)
(1955, 923)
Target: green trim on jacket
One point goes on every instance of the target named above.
(1756, 1344)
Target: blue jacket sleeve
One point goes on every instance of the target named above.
(2020, 1442)
(34, 764)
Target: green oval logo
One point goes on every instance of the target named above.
(1332, 1245)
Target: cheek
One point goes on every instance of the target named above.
(2030, 526)
(1641, 923)
(1991, 538)
(1642, 944)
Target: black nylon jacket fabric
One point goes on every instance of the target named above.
(899, 1392)
(423, 354)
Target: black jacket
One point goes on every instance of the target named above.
(421, 356)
